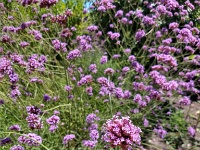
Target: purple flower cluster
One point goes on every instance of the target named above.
(68, 138)
(103, 59)
(74, 54)
(24, 44)
(37, 35)
(30, 139)
(139, 35)
(84, 42)
(109, 71)
(191, 131)
(93, 68)
(121, 132)
(15, 127)
(34, 121)
(53, 121)
(113, 36)
(33, 110)
(47, 3)
(104, 5)
(92, 128)
(36, 62)
(59, 46)
(160, 131)
(92, 28)
(184, 101)
(85, 80)
(17, 147)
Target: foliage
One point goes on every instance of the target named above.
(64, 73)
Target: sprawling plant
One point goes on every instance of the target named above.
(107, 77)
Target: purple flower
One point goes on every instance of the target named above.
(47, 3)
(15, 127)
(160, 131)
(92, 28)
(31, 139)
(46, 97)
(37, 34)
(139, 14)
(91, 118)
(13, 78)
(158, 34)
(145, 122)
(74, 54)
(28, 2)
(167, 41)
(103, 59)
(191, 131)
(1, 102)
(68, 88)
(59, 45)
(93, 126)
(94, 135)
(89, 91)
(161, 9)
(124, 20)
(5, 141)
(137, 98)
(89, 143)
(14, 93)
(121, 132)
(114, 36)
(85, 80)
(119, 13)
(53, 122)
(139, 35)
(93, 68)
(184, 101)
(24, 44)
(148, 20)
(5, 66)
(132, 58)
(34, 121)
(173, 25)
(33, 110)
(127, 94)
(17, 147)
(109, 71)
(35, 62)
(68, 138)
(119, 93)
(103, 81)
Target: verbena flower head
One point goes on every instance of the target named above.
(53, 122)
(89, 143)
(121, 132)
(191, 131)
(184, 101)
(91, 118)
(17, 147)
(47, 3)
(139, 35)
(103, 59)
(160, 131)
(31, 139)
(34, 121)
(5, 141)
(68, 138)
(15, 127)
(33, 110)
